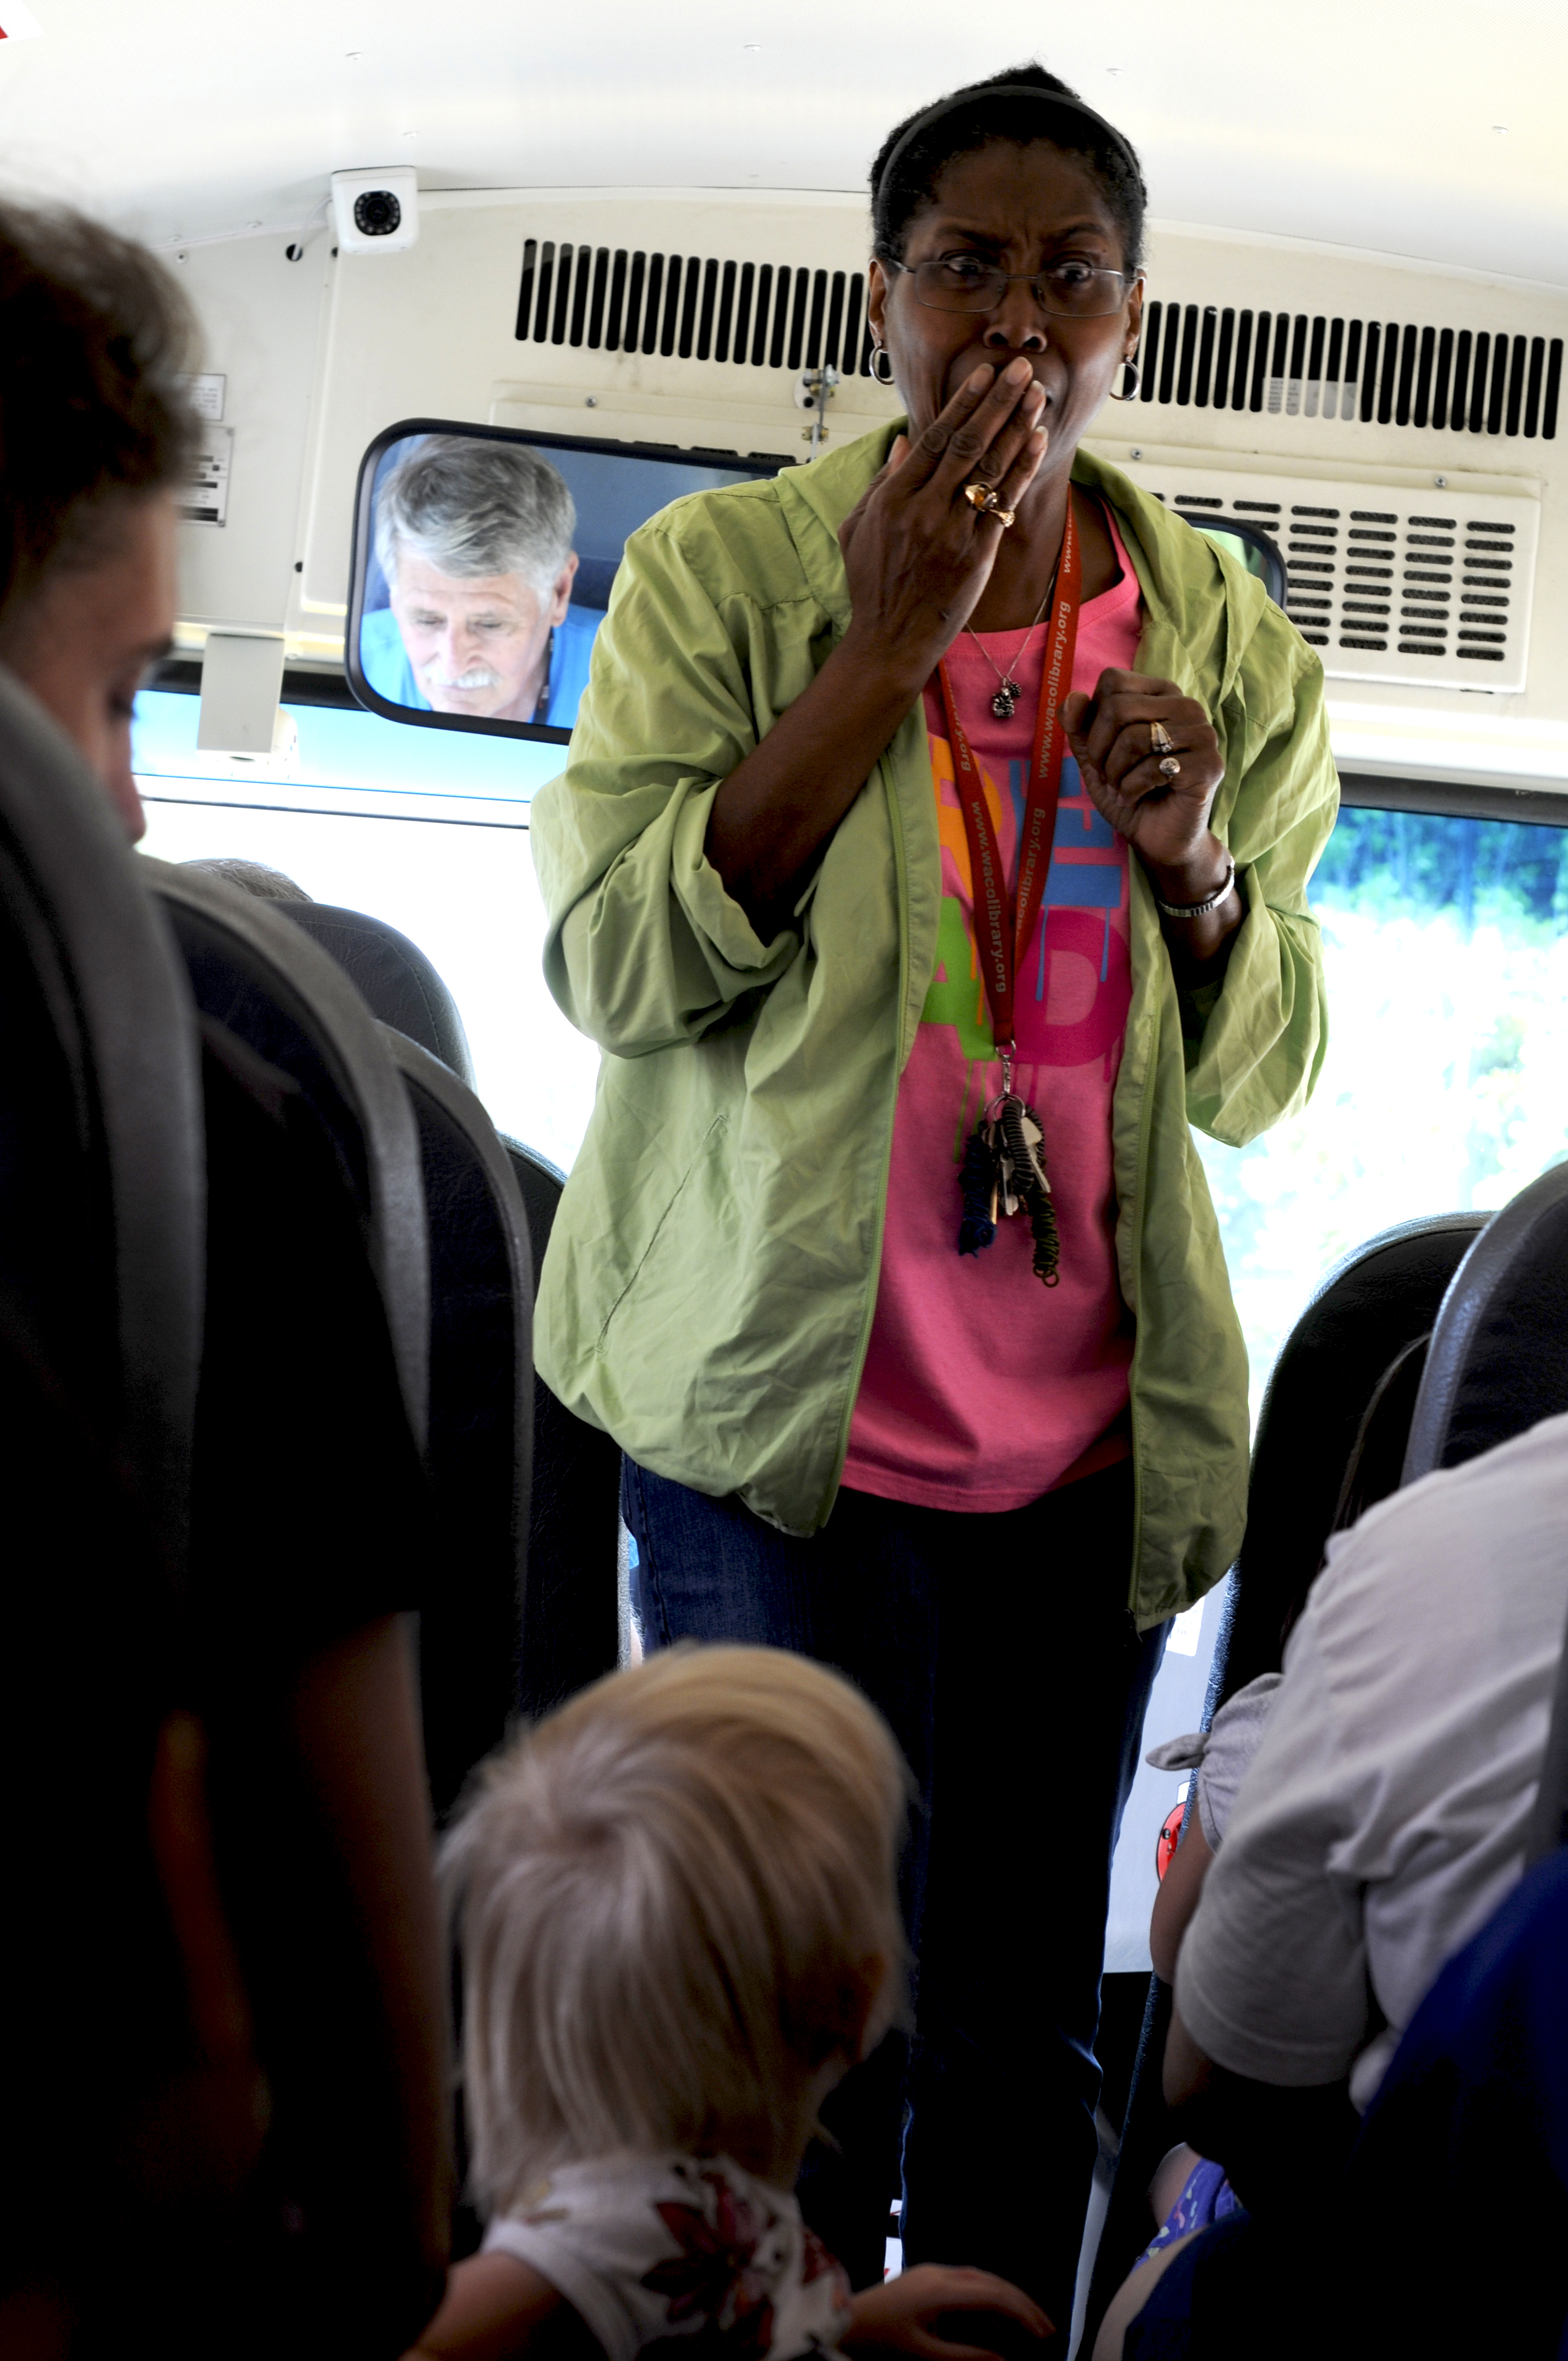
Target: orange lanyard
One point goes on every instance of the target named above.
(1004, 923)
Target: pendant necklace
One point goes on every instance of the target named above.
(1005, 704)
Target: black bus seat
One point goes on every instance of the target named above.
(1332, 1399)
(1375, 1466)
(570, 1618)
(254, 972)
(1498, 1358)
(257, 877)
(395, 978)
(311, 1524)
(570, 1627)
(102, 1189)
(1368, 1310)
(571, 1608)
(481, 1422)
(570, 1633)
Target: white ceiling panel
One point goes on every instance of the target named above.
(1416, 127)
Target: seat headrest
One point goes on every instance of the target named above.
(392, 975)
(291, 1003)
(1498, 1358)
(1368, 1309)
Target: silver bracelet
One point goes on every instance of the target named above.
(1198, 909)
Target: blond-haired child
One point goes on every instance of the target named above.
(677, 1911)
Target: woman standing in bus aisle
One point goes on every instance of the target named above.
(975, 1461)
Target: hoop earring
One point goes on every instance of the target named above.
(879, 355)
(1130, 369)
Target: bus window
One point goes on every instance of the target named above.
(424, 828)
(1446, 946)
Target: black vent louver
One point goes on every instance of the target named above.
(755, 315)
(1369, 371)
(1387, 582)
(1193, 355)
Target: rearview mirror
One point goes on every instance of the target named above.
(483, 561)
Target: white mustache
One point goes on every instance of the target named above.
(477, 676)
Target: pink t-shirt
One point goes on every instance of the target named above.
(983, 1388)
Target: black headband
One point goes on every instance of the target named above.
(1059, 99)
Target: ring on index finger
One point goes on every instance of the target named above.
(984, 498)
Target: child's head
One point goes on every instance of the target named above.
(679, 1917)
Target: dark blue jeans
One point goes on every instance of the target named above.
(1002, 1653)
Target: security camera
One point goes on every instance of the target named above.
(376, 213)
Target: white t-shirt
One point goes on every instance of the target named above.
(654, 2251)
(1384, 1816)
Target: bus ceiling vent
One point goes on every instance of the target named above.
(1425, 587)
(768, 316)
(1452, 381)
(755, 315)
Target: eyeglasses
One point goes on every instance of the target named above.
(964, 282)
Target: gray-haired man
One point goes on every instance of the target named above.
(475, 540)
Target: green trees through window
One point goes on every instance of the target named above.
(1445, 1085)
(1408, 862)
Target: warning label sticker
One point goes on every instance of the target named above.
(206, 494)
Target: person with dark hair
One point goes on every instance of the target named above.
(933, 851)
(95, 433)
(298, 1714)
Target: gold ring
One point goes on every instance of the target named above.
(984, 498)
(1170, 768)
(1160, 739)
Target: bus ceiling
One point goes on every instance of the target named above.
(650, 226)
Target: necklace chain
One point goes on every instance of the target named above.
(1005, 704)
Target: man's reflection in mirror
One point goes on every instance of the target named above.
(473, 539)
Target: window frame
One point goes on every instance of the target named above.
(1451, 800)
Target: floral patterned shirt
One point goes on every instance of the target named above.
(661, 2252)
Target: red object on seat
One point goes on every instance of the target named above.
(1169, 1829)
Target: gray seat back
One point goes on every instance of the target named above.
(1368, 1310)
(1498, 1358)
(398, 982)
(481, 1422)
(254, 972)
(571, 1623)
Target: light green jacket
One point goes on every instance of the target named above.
(708, 1290)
